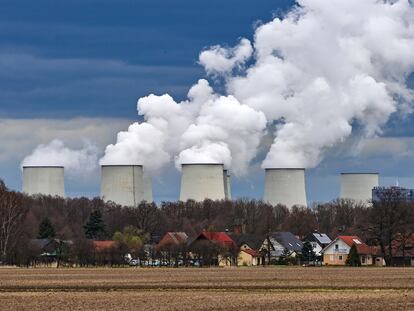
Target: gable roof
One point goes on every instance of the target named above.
(321, 238)
(251, 240)
(362, 248)
(221, 238)
(288, 240)
(401, 248)
(251, 252)
(173, 238)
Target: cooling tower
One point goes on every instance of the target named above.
(47, 180)
(227, 188)
(147, 189)
(285, 186)
(202, 181)
(124, 184)
(358, 186)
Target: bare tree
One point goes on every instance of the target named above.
(11, 219)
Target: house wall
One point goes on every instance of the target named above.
(245, 259)
(366, 260)
(336, 254)
(316, 248)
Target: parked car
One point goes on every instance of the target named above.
(134, 262)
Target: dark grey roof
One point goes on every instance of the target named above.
(322, 238)
(251, 240)
(288, 240)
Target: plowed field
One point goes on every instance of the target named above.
(273, 288)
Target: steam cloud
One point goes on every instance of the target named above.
(309, 77)
(76, 162)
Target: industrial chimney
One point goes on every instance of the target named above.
(227, 188)
(124, 184)
(47, 180)
(285, 186)
(358, 186)
(202, 181)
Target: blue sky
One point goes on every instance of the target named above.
(74, 70)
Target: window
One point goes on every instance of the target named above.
(340, 257)
(336, 246)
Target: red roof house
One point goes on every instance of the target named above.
(337, 251)
(171, 239)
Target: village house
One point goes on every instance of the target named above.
(282, 244)
(214, 248)
(337, 251)
(403, 250)
(172, 240)
(248, 245)
(318, 241)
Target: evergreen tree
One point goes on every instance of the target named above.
(46, 229)
(353, 257)
(95, 227)
(308, 254)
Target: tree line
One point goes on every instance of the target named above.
(81, 220)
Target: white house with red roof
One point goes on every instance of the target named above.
(337, 251)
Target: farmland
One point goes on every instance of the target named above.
(204, 289)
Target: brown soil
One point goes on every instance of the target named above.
(208, 289)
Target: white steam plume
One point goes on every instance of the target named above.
(313, 76)
(324, 67)
(78, 162)
(206, 128)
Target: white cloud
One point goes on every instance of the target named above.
(20, 136)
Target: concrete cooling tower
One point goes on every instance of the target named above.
(125, 184)
(202, 181)
(47, 180)
(227, 187)
(285, 186)
(358, 186)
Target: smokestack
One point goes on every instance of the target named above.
(285, 186)
(227, 188)
(47, 180)
(202, 181)
(124, 184)
(358, 186)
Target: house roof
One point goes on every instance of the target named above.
(251, 252)
(173, 238)
(321, 238)
(251, 240)
(219, 237)
(403, 247)
(103, 245)
(288, 240)
(362, 248)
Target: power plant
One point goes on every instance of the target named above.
(202, 181)
(46, 180)
(125, 184)
(285, 186)
(358, 186)
(227, 187)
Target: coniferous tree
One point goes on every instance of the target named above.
(308, 254)
(95, 227)
(353, 257)
(46, 229)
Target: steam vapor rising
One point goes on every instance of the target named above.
(308, 78)
(76, 162)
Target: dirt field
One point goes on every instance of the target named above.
(208, 289)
